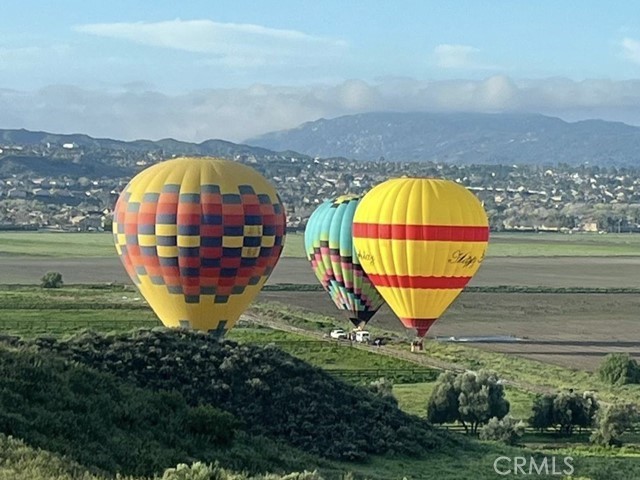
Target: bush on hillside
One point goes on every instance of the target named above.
(100, 421)
(269, 391)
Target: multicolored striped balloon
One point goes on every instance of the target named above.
(199, 237)
(329, 246)
(420, 241)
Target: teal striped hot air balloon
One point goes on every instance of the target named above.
(328, 242)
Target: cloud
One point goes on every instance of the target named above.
(455, 56)
(630, 50)
(135, 111)
(234, 44)
(25, 57)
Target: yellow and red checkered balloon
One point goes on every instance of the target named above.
(420, 240)
(199, 237)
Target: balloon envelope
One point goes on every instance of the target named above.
(329, 247)
(199, 237)
(420, 241)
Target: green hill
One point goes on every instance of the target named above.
(270, 392)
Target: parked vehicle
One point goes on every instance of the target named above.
(362, 336)
(338, 334)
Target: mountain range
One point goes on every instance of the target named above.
(462, 138)
(168, 145)
(42, 153)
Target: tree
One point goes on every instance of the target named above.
(469, 398)
(619, 369)
(612, 422)
(51, 280)
(506, 430)
(443, 403)
(542, 412)
(481, 397)
(564, 411)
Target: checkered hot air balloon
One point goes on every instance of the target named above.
(420, 241)
(329, 247)
(199, 237)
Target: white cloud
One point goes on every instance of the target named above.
(455, 56)
(233, 44)
(630, 49)
(135, 111)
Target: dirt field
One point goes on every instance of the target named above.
(568, 329)
(527, 271)
(573, 330)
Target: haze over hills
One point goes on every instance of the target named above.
(462, 138)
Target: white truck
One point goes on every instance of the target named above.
(363, 336)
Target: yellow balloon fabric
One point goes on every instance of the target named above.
(420, 241)
(199, 237)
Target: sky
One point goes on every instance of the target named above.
(203, 69)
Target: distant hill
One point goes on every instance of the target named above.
(169, 145)
(42, 153)
(462, 138)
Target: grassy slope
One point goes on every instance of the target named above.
(501, 244)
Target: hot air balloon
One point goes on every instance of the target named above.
(420, 241)
(329, 246)
(199, 237)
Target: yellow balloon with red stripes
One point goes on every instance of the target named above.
(420, 241)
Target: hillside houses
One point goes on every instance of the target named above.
(556, 198)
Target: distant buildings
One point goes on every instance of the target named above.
(518, 198)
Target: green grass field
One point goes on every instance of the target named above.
(51, 244)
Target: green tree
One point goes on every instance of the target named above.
(542, 412)
(51, 280)
(564, 411)
(469, 398)
(619, 369)
(612, 422)
(481, 397)
(443, 404)
(570, 410)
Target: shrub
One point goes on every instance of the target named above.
(612, 422)
(51, 280)
(383, 388)
(506, 430)
(197, 471)
(619, 369)
(214, 425)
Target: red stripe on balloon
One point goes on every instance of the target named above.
(421, 324)
(416, 281)
(442, 233)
